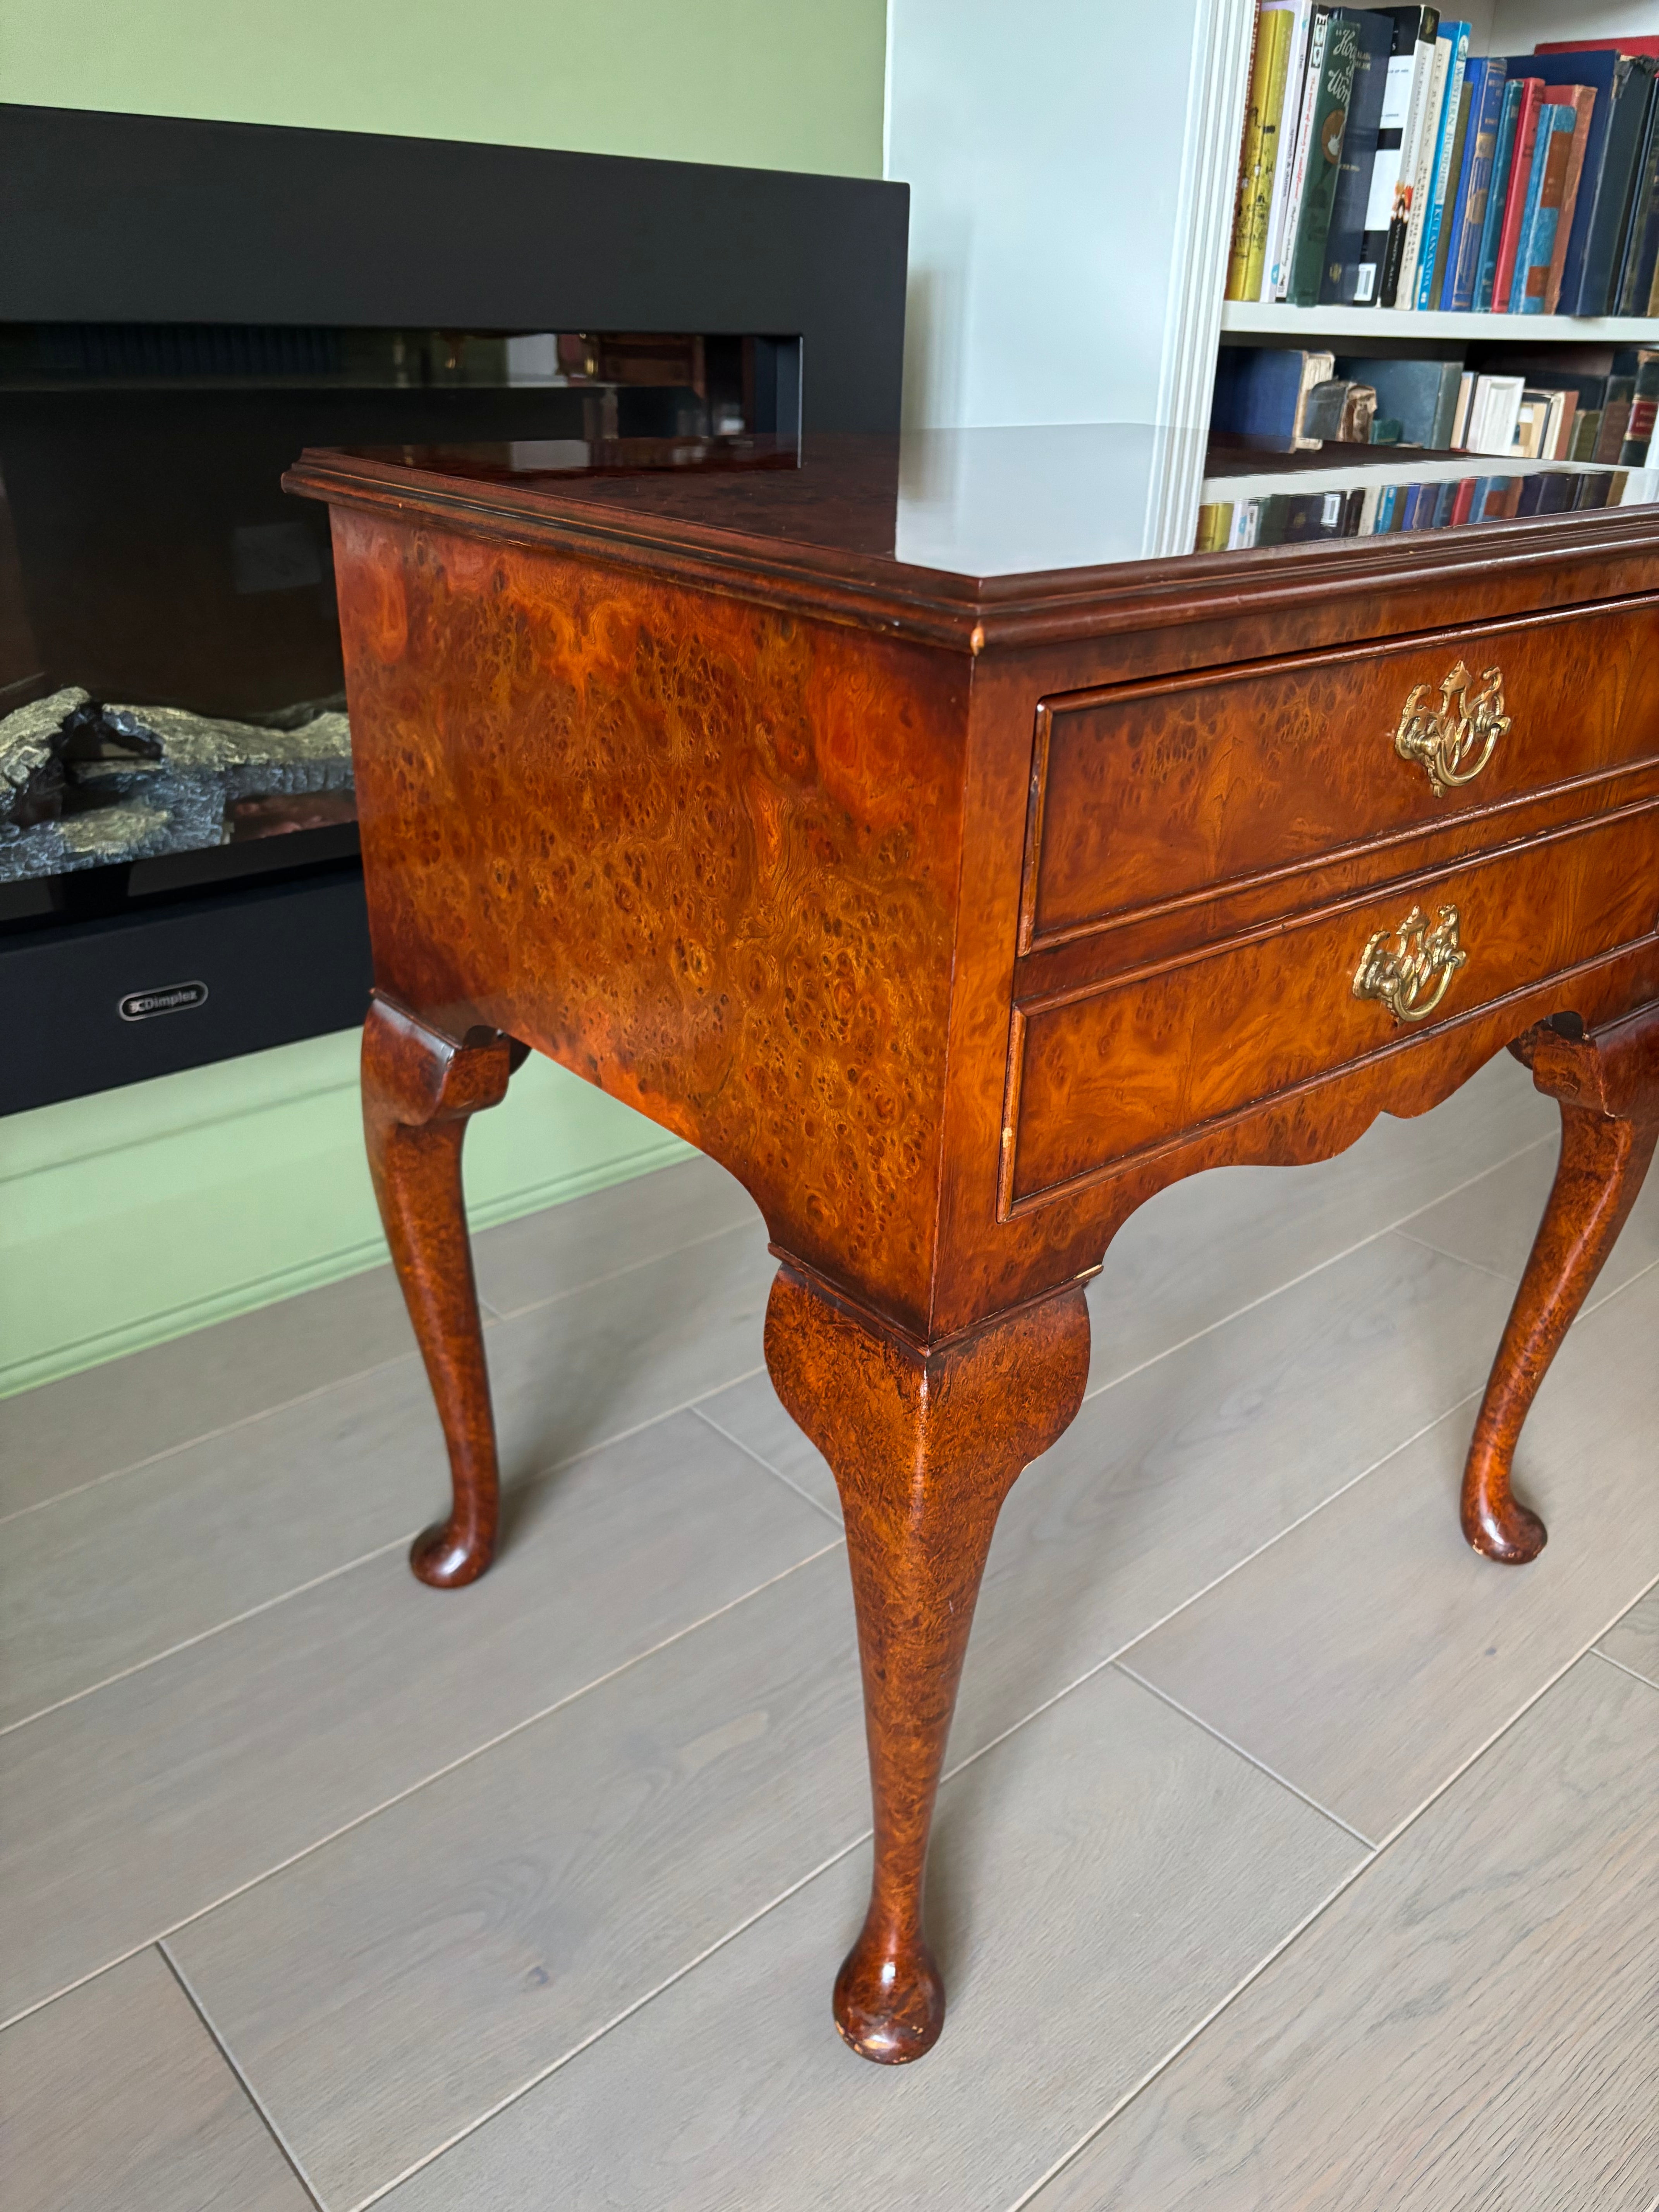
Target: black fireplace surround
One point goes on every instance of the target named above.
(183, 305)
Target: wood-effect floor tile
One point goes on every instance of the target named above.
(1212, 1244)
(549, 1253)
(108, 1578)
(1493, 1222)
(1100, 1881)
(126, 1811)
(115, 2100)
(1367, 1654)
(1467, 2028)
(440, 1956)
(1633, 1640)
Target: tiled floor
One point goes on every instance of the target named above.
(1290, 1856)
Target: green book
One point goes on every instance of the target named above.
(1324, 161)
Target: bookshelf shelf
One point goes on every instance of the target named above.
(1241, 318)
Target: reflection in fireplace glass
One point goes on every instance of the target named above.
(172, 702)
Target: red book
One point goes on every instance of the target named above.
(1599, 47)
(1463, 502)
(1515, 203)
(1581, 98)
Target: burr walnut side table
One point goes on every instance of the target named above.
(872, 821)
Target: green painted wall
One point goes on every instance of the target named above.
(138, 1214)
(782, 84)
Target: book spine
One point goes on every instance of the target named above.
(1282, 275)
(1443, 217)
(1520, 188)
(1644, 409)
(1435, 212)
(1532, 265)
(1638, 261)
(1472, 212)
(1583, 107)
(1493, 224)
(1249, 158)
(1277, 24)
(1608, 219)
(1324, 159)
(1411, 146)
(1428, 159)
(1295, 75)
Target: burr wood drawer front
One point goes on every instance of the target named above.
(1108, 1071)
(1147, 797)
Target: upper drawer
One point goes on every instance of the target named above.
(1145, 794)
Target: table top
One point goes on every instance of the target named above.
(996, 519)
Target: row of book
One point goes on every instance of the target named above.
(1383, 165)
(1373, 510)
(1291, 400)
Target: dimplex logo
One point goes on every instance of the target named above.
(174, 998)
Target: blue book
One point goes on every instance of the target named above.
(1486, 83)
(1445, 502)
(1538, 228)
(1456, 35)
(1492, 229)
(1550, 117)
(1386, 500)
(1258, 392)
(1622, 84)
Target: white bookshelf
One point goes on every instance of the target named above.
(1278, 320)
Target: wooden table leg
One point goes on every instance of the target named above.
(924, 1447)
(419, 1087)
(1607, 1083)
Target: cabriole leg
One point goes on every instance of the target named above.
(418, 1089)
(924, 1448)
(1607, 1083)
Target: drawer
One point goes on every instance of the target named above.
(1111, 1070)
(1147, 797)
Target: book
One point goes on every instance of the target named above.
(1328, 111)
(1296, 73)
(1615, 417)
(1258, 151)
(1486, 102)
(1461, 413)
(1644, 409)
(1214, 522)
(1581, 100)
(1321, 417)
(1388, 501)
(1542, 215)
(1464, 501)
(1622, 82)
(1424, 48)
(1493, 414)
(1434, 280)
(1491, 226)
(1345, 244)
(1451, 51)
(1597, 45)
(1642, 240)
(1421, 396)
(1261, 395)
(1516, 190)
(1297, 149)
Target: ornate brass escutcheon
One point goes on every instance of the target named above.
(1410, 968)
(1453, 741)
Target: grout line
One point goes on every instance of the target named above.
(1260, 1764)
(1636, 1675)
(628, 1268)
(749, 1453)
(1394, 1835)
(186, 1643)
(1462, 1258)
(1386, 1229)
(437, 1774)
(289, 2155)
(627, 2012)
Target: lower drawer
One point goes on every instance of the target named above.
(1111, 1069)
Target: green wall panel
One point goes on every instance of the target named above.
(762, 83)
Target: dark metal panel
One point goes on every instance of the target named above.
(136, 218)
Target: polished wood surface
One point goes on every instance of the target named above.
(1608, 1085)
(955, 913)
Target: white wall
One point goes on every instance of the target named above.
(1043, 145)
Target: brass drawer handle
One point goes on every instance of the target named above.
(1400, 965)
(1442, 739)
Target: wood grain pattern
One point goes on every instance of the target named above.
(1368, 1654)
(1469, 2025)
(1633, 1640)
(1607, 1083)
(116, 2100)
(419, 1088)
(924, 1446)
